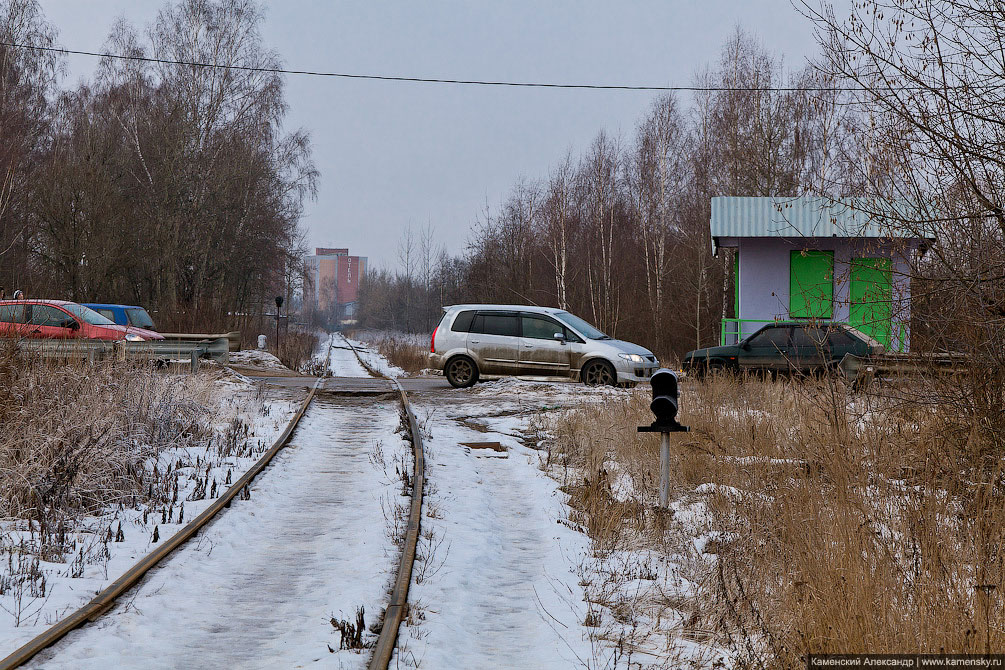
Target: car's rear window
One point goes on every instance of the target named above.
(771, 337)
(462, 322)
(496, 324)
(839, 338)
(804, 336)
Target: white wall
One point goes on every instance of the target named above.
(764, 276)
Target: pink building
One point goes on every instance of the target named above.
(332, 281)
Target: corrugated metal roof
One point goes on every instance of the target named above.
(800, 217)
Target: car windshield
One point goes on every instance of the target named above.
(87, 314)
(585, 329)
(139, 318)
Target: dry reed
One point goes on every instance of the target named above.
(839, 522)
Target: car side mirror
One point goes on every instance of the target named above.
(560, 337)
(72, 325)
(745, 345)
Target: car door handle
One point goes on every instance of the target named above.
(474, 341)
(528, 346)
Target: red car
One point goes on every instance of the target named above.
(59, 319)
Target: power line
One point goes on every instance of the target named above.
(437, 80)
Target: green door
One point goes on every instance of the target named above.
(811, 284)
(871, 298)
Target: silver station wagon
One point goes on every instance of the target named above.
(493, 340)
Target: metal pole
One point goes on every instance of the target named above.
(664, 469)
(277, 331)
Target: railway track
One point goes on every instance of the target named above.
(396, 609)
(394, 613)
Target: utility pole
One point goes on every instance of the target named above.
(279, 305)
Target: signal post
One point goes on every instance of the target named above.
(664, 384)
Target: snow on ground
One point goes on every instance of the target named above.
(343, 362)
(254, 359)
(505, 576)
(259, 587)
(498, 583)
(376, 361)
(96, 561)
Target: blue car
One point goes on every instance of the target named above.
(124, 315)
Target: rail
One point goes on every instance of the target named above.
(398, 606)
(104, 600)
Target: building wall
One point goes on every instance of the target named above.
(335, 278)
(764, 277)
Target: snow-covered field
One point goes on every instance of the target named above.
(253, 359)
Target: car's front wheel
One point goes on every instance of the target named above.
(599, 373)
(461, 372)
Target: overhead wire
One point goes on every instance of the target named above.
(442, 80)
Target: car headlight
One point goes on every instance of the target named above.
(133, 337)
(634, 358)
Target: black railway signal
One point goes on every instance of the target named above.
(664, 405)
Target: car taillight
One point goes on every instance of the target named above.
(432, 341)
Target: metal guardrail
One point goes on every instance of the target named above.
(233, 338)
(862, 371)
(95, 350)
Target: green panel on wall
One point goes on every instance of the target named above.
(811, 284)
(871, 295)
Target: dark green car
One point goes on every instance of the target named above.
(786, 346)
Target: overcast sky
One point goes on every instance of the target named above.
(398, 154)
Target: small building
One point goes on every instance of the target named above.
(817, 259)
(332, 281)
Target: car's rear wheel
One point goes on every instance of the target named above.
(599, 373)
(461, 372)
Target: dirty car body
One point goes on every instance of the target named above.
(536, 341)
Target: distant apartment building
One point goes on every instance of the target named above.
(332, 282)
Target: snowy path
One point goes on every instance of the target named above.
(505, 592)
(258, 588)
(343, 361)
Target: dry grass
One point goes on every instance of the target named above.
(839, 523)
(404, 351)
(296, 348)
(78, 438)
